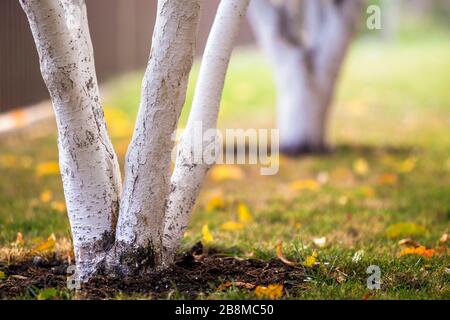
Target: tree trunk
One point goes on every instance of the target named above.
(306, 61)
(147, 168)
(89, 167)
(190, 172)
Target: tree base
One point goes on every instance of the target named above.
(195, 273)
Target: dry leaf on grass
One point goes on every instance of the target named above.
(320, 242)
(238, 284)
(409, 242)
(281, 256)
(444, 239)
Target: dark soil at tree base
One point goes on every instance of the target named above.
(194, 272)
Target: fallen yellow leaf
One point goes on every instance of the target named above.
(304, 184)
(407, 165)
(226, 172)
(281, 256)
(47, 168)
(244, 213)
(207, 236)
(2, 275)
(59, 206)
(272, 291)
(47, 245)
(310, 260)
(216, 201)
(46, 196)
(232, 226)
(361, 167)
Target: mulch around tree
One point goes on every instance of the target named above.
(194, 273)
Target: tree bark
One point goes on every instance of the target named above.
(147, 168)
(306, 62)
(88, 163)
(190, 171)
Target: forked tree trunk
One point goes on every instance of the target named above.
(127, 235)
(190, 171)
(89, 167)
(306, 42)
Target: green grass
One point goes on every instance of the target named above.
(392, 106)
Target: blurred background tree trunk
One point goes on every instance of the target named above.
(306, 41)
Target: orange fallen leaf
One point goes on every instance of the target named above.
(272, 291)
(281, 256)
(420, 251)
(387, 179)
(46, 196)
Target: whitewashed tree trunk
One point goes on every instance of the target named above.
(189, 174)
(89, 167)
(126, 234)
(306, 60)
(148, 161)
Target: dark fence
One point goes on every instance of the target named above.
(121, 32)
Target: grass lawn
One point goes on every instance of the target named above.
(388, 179)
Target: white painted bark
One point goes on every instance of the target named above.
(147, 168)
(188, 175)
(306, 68)
(89, 167)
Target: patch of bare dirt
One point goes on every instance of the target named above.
(193, 273)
